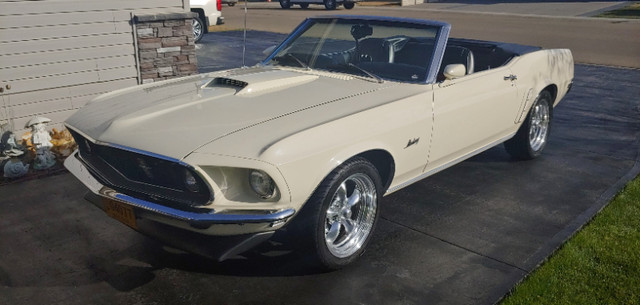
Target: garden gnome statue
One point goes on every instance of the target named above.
(10, 147)
(41, 141)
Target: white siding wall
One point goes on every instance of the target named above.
(58, 54)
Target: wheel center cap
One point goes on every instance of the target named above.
(347, 213)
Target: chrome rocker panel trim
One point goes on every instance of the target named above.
(449, 164)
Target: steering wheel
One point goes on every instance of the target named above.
(395, 44)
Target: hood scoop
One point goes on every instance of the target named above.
(227, 82)
(254, 84)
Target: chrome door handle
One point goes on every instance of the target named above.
(510, 77)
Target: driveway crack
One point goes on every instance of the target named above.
(456, 245)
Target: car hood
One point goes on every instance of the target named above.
(173, 118)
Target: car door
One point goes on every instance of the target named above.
(471, 113)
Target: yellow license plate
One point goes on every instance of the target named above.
(120, 212)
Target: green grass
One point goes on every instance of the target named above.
(632, 11)
(599, 265)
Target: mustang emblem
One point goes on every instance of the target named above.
(412, 142)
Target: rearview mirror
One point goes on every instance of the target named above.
(269, 50)
(455, 71)
(360, 31)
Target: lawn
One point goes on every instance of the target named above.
(599, 265)
(632, 11)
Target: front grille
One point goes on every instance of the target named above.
(142, 176)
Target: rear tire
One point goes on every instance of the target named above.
(285, 4)
(304, 5)
(198, 28)
(337, 222)
(531, 138)
(330, 4)
(349, 5)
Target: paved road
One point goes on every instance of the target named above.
(463, 236)
(592, 40)
(526, 7)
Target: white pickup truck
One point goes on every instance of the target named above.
(209, 13)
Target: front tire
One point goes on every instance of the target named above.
(285, 4)
(531, 138)
(330, 4)
(304, 5)
(349, 5)
(339, 218)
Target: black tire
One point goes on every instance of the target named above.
(304, 5)
(285, 4)
(199, 28)
(231, 4)
(349, 5)
(330, 4)
(531, 138)
(312, 228)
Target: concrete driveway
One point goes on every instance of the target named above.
(463, 236)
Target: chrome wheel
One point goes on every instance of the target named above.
(539, 125)
(198, 29)
(330, 4)
(285, 4)
(351, 215)
(531, 138)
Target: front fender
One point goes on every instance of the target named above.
(401, 128)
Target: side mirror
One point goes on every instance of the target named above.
(455, 71)
(269, 50)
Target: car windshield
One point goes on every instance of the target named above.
(373, 49)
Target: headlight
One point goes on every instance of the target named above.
(262, 184)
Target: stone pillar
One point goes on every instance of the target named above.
(166, 47)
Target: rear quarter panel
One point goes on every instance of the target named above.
(538, 70)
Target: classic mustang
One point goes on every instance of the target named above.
(344, 111)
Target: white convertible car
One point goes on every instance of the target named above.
(344, 111)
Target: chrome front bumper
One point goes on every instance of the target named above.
(208, 223)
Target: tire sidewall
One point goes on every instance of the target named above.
(285, 4)
(544, 97)
(330, 4)
(199, 37)
(335, 179)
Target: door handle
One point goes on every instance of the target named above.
(510, 77)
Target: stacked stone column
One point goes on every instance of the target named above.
(166, 47)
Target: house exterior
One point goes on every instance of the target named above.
(56, 55)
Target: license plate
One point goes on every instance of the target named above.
(120, 212)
